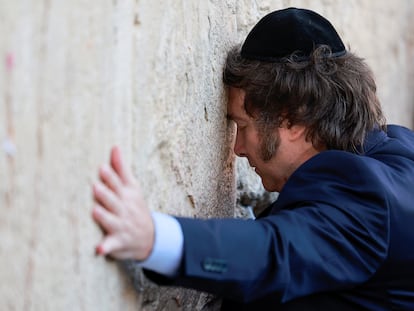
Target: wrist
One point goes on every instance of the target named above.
(167, 248)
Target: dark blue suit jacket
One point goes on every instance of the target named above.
(339, 237)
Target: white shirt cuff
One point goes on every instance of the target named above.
(167, 251)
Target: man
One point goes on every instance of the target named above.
(339, 235)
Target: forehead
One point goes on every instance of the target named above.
(235, 104)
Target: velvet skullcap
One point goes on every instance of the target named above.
(283, 32)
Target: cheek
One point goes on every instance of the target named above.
(253, 144)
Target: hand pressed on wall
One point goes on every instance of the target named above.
(122, 212)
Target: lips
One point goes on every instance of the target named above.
(256, 170)
(252, 166)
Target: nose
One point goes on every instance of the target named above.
(239, 149)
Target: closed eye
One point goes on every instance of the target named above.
(241, 125)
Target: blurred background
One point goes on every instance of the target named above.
(80, 76)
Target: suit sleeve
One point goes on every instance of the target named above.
(331, 233)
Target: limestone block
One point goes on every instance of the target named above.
(78, 78)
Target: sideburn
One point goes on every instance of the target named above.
(269, 142)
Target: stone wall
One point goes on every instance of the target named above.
(80, 76)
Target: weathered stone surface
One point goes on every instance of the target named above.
(79, 76)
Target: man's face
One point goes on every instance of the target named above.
(289, 145)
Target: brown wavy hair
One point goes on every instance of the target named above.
(333, 97)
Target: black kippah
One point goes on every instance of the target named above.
(281, 33)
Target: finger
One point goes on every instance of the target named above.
(110, 245)
(110, 178)
(118, 164)
(106, 197)
(123, 254)
(106, 220)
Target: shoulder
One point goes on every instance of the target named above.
(400, 131)
(334, 176)
(339, 166)
(399, 143)
(336, 160)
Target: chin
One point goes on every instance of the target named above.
(270, 187)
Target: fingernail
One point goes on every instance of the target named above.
(97, 187)
(99, 250)
(95, 212)
(104, 168)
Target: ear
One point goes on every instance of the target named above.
(294, 132)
